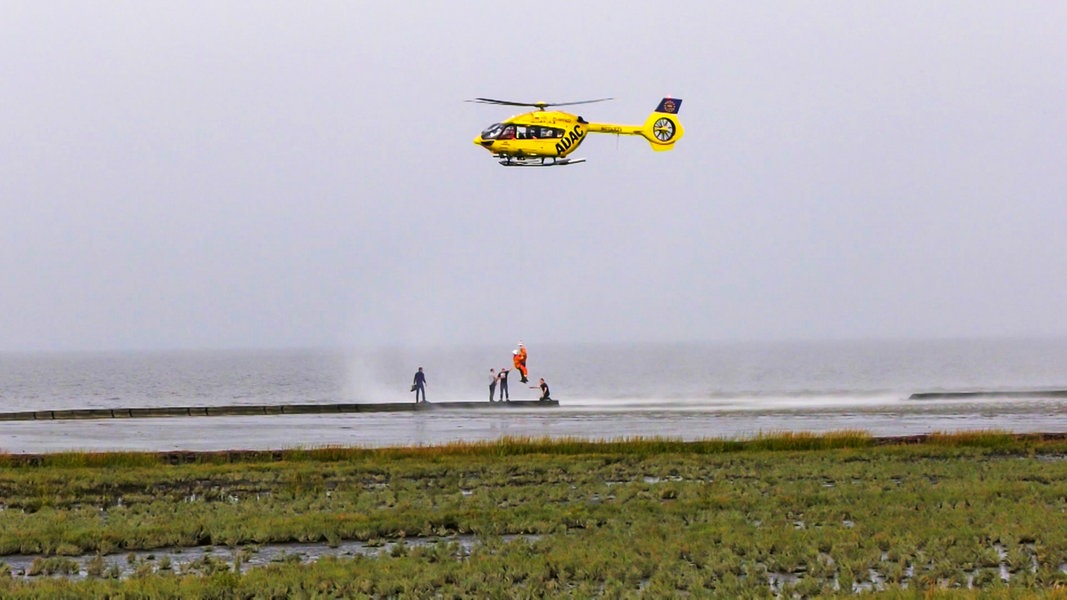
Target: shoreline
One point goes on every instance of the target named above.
(546, 445)
(578, 417)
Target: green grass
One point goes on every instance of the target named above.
(616, 518)
(514, 446)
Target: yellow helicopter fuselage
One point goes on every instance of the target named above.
(554, 135)
(537, 133)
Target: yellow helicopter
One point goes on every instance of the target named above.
(547, 138)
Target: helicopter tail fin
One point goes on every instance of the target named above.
(662, 128)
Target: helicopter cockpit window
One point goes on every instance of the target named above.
(492, 131)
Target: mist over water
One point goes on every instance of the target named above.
(602, 376)
(609, 375)
(674, 390)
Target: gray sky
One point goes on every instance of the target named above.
(265, 174)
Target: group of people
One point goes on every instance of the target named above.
(518, 360)
(496, 379)
(501, 379)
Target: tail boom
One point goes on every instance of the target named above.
(662, 128)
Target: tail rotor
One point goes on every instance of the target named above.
(662, 128)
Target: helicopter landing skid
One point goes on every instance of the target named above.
(540, 162)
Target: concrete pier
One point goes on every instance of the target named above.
(260, 409)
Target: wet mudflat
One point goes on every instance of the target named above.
(784, 514)
(736, 417)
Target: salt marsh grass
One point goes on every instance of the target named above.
(781, 513)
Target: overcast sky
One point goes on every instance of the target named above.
(292, 174)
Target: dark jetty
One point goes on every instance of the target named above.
(260, 409)
(989, 394)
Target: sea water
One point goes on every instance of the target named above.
(685, 391)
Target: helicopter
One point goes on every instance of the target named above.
(543, 138)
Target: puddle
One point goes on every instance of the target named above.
(208, 559)
(654, 479)
(211, 558)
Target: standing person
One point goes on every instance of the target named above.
(492, 383)
(419, 385)
(503, 376)
(544, 390)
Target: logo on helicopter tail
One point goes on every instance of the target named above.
(571, 139)
(669, 106)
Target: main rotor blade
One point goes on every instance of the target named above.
(504, 102)
(534, 104)
(579, 102)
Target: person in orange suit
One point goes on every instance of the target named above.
(519, 360)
